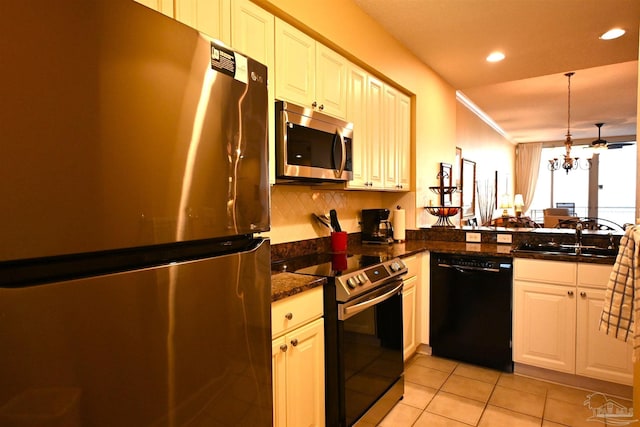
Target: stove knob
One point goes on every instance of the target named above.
(395, 266)
(351, 283)
(363, 278)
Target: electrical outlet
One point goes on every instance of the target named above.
(473, 237)
(504, 238)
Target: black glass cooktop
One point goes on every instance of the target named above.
(328, 264)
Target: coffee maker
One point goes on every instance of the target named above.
(376, 227)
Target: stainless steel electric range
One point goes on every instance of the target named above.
(364, 361)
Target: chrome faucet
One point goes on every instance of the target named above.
(578, 237)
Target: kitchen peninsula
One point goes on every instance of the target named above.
(581, 288)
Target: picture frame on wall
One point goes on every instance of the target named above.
(468, 183)
(457, 178)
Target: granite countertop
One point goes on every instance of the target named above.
(284, 283)
(287, 284)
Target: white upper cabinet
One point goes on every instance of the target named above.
(295, 65)
(211, 17)
(381, 147)
(390, 130)
(252, 33)
(375, 133)
(357, 114)
(397, 110)
(403, 143)
(331, 82)
(308, 73)
(162, 6)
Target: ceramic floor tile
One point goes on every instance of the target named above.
(500, 417)
(521, 383)
(448, 389)
(561, 412)
(468, 387)
(400, 416)
(417, 395)
(456, 407)
(428, 419)
(571, 395)
(477, 373)
(433, 362)
(425, 376)
(518, 401)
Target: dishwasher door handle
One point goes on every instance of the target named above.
(466, 268)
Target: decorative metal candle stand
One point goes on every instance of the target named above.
(445, 190)
(443, 213)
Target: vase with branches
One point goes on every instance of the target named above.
(486, 191)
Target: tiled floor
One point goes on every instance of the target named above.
(441, 392)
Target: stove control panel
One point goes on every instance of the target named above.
(358, 282)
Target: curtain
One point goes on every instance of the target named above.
(527, 167)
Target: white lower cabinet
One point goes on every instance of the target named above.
(410, 292)
(409, 295)
(544, 326)
(598, 355)
(556, 310)
(298, 360)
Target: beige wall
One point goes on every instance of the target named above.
(490, 150)
(341, 25)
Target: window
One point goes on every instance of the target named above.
(606, 191)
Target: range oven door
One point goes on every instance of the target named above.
(371, 348)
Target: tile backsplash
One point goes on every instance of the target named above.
(292, 206)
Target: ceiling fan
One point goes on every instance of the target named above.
(601, 143)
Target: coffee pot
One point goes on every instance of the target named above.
(376, 227)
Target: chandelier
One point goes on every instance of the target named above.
(568, 163)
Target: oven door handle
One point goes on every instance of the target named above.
(352, 310)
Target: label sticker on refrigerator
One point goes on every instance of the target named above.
(229, 62)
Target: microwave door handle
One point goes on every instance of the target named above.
(343, 150)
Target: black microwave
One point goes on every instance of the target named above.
(312, 146)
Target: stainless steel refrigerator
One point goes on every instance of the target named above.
(134, 284)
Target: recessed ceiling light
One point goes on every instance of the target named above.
(495, 57)
(612, 34)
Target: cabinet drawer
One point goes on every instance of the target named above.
(594, 275)
(533, 270)
(296, 310)
(412, 265)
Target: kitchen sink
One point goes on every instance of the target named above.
(553, 248)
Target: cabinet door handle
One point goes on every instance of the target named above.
(314, 104)
(294, 342)
(321, 107)
(288, 316)
(583, 294)
(283, 348)
(570, 293)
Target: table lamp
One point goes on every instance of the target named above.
(505, 204)
(518, 203)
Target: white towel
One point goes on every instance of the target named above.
(621, 303)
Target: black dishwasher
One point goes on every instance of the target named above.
(470, 309)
